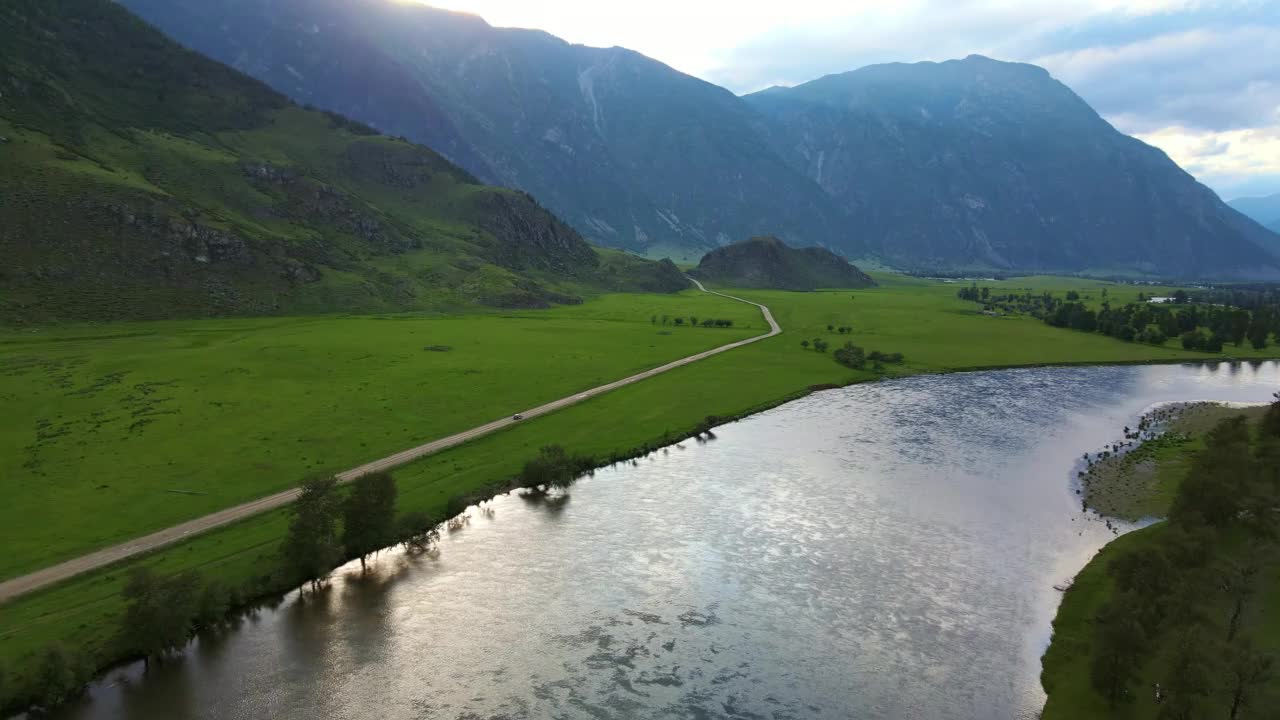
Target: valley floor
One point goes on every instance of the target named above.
(115, 427)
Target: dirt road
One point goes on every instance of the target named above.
(147, 543)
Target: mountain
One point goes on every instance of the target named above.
(140, 180)
(971, 164)
(767, 262)
(1265, 210)
(629, 151)
(983, 164)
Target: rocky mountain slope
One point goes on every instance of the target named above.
(767, 262)
(139, 180)
(982, 164)
(630, 152)
(970, 164)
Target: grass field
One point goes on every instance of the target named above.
(923, 320)
(138, 426)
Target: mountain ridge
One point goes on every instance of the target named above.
(637, 155)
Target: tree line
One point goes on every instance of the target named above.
(692, 321)
(1190, 596)
(1203, 327)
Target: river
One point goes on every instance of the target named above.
(887, 550)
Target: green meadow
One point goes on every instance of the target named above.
(111, 431)
(323, 393)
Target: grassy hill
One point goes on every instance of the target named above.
(141, 180)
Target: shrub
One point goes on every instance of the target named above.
(851, 356)
(892, 358)
(418, 532)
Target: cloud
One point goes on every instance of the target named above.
(1210, 79)
(1235, 162)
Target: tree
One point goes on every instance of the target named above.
(1180, 297)
(1258, 332)
(851, 356)
(1192, 340)
(212, 605)
(1119, 643)
(679, 321)
(158, 618)
(1072, 296)
(1240, 322)
(820, 345)
(693, 320)
(804, 344)
(417, 531)
(1248, 671)
(55, 679)
(553, 468)
(369, 515)
(311, 548)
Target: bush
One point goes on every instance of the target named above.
(57, 678)
(1153, 336)
(418, 532)
(851, 356)
(891, 358)
(553, 468)
(1192, 340)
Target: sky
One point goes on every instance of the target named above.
(1197, 78)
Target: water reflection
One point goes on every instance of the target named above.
(881, 551)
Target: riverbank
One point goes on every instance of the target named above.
(936, 332)
(1137, 476)
(1206, 588)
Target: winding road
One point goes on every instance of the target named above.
(147, 543)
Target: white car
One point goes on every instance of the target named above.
(517, 416)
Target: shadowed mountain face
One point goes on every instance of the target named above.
(970, 164)
(984, 164)
(767, 262)
(629, 151)
(1265, 210)
(141, 180)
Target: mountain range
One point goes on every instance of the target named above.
(970, 164)
(1265, 209)
(139, 179)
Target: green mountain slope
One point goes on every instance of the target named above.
(139, 179)
(767, 262)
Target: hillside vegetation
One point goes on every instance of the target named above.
(768, 263)
(141, 180)
(1181, 620)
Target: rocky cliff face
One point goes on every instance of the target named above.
(767, 262)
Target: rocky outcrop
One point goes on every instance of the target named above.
(767, 262)
(523, 236)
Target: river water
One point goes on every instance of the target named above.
(887, 550)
